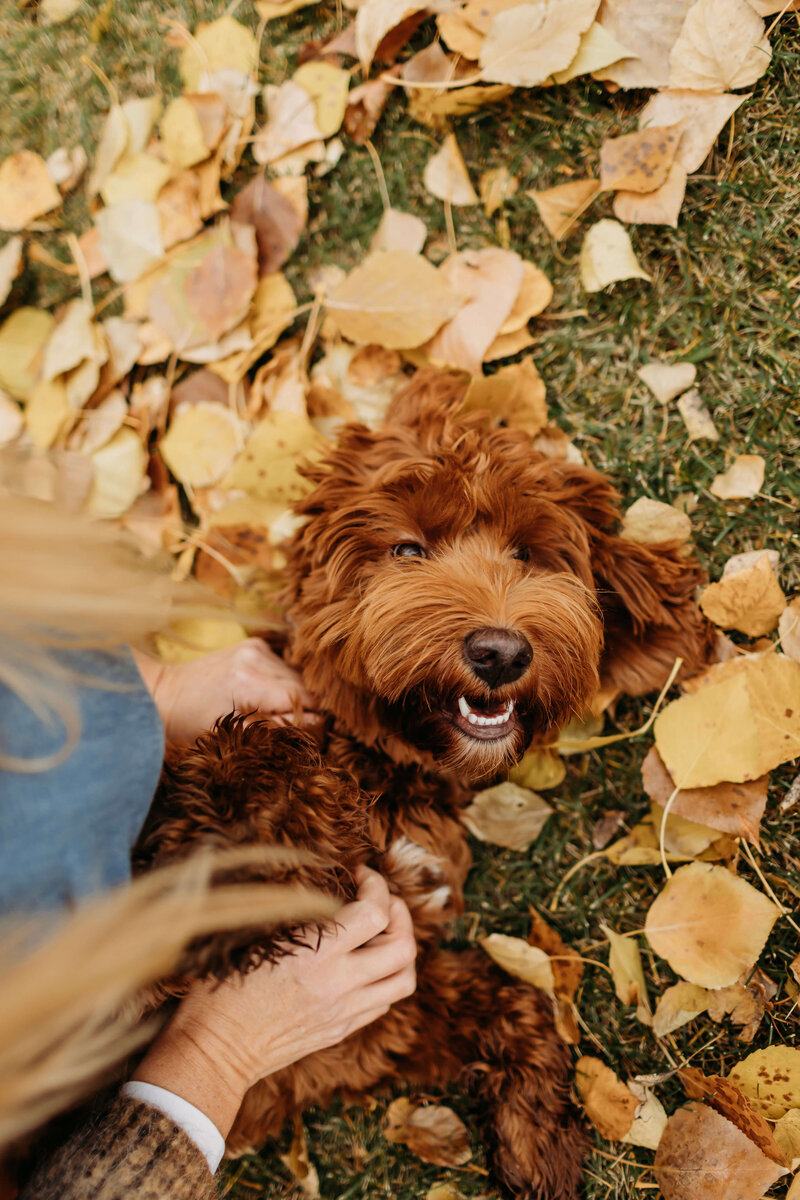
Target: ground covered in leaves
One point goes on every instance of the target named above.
(723, 295)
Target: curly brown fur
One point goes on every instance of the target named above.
(510, 545)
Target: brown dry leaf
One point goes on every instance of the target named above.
(722, 46)
(219, 289)
(679, 1004)
(709, 925)
(291, 123)
(538, 770)
(514, 395)
(743, 479)
(22, 338)
(638, 162)
(750, 600)
(668, 380)
(521, 960)
(267, 466)
(446, 175)
(217, 46)
(696, 417)
(661, 207)
(373, 364)
(607, 256)
(533, 297)
(130, 238)
(606, 827)
(297, 1161)
(649, 32)
(394, 299)
(560, 207)
(506, 815)
(497, 186)
(328, 87)
(598, 49)
(607, 1102)
(433, 1132)
(527, 44)
(789, 629)
(567, 971)
(365, 104)
(26, 190)
(201, 443)
(726, 1098)
(770, 1078)
(625, 963)
(119, 475)
(651, 522)
(703, 115)
(399, 231)
(703, 1156)
(278, 223)
(734, 808)
(375, 19)
(489, 281)
(11, 262)
(744, 1005)
(194, 637)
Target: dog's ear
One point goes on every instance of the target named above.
(427, 402)
(646, 592)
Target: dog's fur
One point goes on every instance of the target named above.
(510, 540)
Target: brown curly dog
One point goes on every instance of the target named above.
(453, 595)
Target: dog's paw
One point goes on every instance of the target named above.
(419, 875)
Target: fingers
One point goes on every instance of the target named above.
(377, 998)
(271, 685)
(393, 951)
(367, 916)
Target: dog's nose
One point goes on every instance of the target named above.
(497, 655)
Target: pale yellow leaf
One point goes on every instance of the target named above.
(291, 123)
(538, 770)
(195, 637)
(395, 299)
(66, 167)
(201, 443)
(732, 808)
(560, 207)
(703, 115)
(625, 963)
(660, 207)
(668, 380)
(130, 237)
(22, 338)
(53, 12)
(10, 265)
(26, 190)
(650, 1120)
(598, 48)
(48, 413)
(267, 466)
(527, 44)
(446, 175)
(217, 46)
(141, 114)
(399, 231)
(506, 345)
(182, 134)
(789, 629)
(119, 475)
(721, 46)
(280, 8)
(496, 186)
(679, 1004)
(506, 815)
(459, 35)
(113, 144)
(71, 341)
(787, 1136)
(649, 32)
(770, 1078)
(515, 395)
(743, 479)
(696, 417)
(533, 297)
(709, 925)
(650, 522)
(750, 600)
(96, 426)
(607, 257)
(328, 87)
(520, 959)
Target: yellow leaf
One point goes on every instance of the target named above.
(650, 1120)
(506, 815)
(119, 473)
(446, 177)
(749, 600)
(291, 123)
(533, 298)
(696, 417)
(703, 115)
(679, 1004)
(638, 162)
(201, 443)
(272, 309)
(770, 1078)
(506, 345)
(267, 466)
(607, 1102)
(497, 186)
(459, 34)
(514, 395)
(71, 341)
(395, 299)
(136, 176)
(217, 46)
(268, 11)
(48, 413)
(527, 44)
(435, 108)
(141, 114)
(743, 479)
(625, 963)
(789, 629)
(721, 47)
(376, 18)
(53, 12)
(560, 207)
(399, 231)
(607, 256)
(12, 421)
(194, 637)
(598, 48)
(22, 338)
(490, 281)
(650, 522)
(787, 1136)
(130, 238)
(709, 925)
(113, 144)
(26, 190)
(327, 86)
(11, 257)
(732, 808)
(735, 729)
(182, 134)
(668, 380)
(519, 958)
(538, 770)
(661, 207)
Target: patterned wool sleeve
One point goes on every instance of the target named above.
(128, 1151)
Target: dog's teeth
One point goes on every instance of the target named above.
(463, 707)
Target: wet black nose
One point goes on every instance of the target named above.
(497, 655)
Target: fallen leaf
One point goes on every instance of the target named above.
(48, 413)
(607, 1102)
(26, 190)
(734, 808)
(744, 1005)
(560, 207)
(71, 341)
(497, 186)
(12, 421)
(709, 925)
(365, 104)
(328, 87)
(520, 959)
(533, 297)
(789, 629)
(194, 637)
(661, 207)
(682, 836)
(96, 426)
(22, 338)
(650, 1120)
(267, 466)
(696, 417)
(702, 114)
(703, 1155)
(607, 256)
(119, 475)
(217, 46)
(625, 963)
(721, 47)
(399, 231)
(750, 600)
(201, 443)
(770, 1079)
(489, 281)
(527, 44)
(442, 1191)
(280, 8)
(506, 815)
(567, 970)
(457, 33)
(506, 345)
(111, 147)
(433, 1132)
(435, 109)
(515, 396)
(375, 19)
(598, 49)
(446, 175)
(668, 380)
(277, 222)
(141, 114)
(395, 299)
(649, 32)
(66, 167)
(787, 1137)
(130, 238)
(182, 134)
(136, 176)
(373, 364)
(219, 289)
(11, 261)
(606, 827)
(297, 1161)
(679, 1004)
(291, 123)
(651, 522)
(743, 479)
(54, 12)
(726, 1098)
(638, 162)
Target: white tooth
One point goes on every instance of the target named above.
(473, 720)
(463, 707)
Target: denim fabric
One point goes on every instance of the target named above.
(68, 832)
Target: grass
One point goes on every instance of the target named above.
(725, 294)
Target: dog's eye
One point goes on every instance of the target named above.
(522, 553)
(408, 550)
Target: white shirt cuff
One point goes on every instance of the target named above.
(195, 1124)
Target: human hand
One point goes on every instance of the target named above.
(247, 677)
(224, 1038)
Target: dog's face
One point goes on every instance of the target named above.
(444, 602)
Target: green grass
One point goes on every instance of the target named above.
(725, 293)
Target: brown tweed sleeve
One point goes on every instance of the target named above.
(129, 1151)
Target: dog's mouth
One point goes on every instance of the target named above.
(484, 720)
